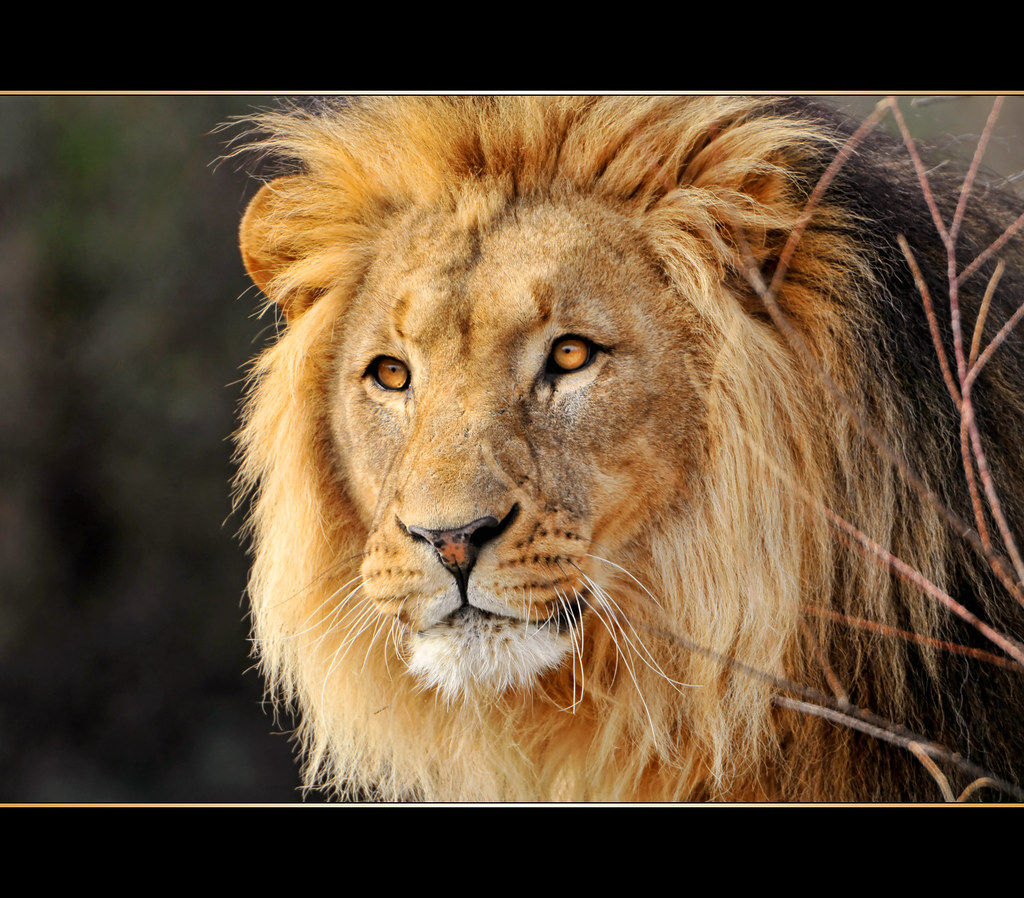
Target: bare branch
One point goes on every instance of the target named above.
(933, 322)
(867, 723)
(912, 575)
(979, 324)
(818, 704)
(997, 341)
(796, 341)
(830, 675)
(965, 405)
(992, 249)
(826, 179)
(942, 645)
(985, 475)
(940, 778)
(980, 783)
(972, 172)
(972, 485)
(922, 174)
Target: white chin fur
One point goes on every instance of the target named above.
(476, 651)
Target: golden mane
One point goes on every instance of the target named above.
(740, 588)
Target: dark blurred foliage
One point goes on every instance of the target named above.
(123, 640)
(124, 669)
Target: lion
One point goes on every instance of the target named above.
(599, 457)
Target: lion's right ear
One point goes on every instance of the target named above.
(266, 248)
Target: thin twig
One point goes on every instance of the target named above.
(997, 341)
(911, 575)
(894, 737)
(993, 248)
(922, 174)
(972, 486)
(933, 322)
(865, 544)
(979, 324)
(995, 506)
(972, 172)
(919, 752)
(841, 158)
(966, 406)
(980, 783)
(942, 645)
(972, 372)
(830, 675)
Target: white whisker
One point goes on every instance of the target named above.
(378, 627)
(628, 664)
(331, 619)
(576, 651)
(638, 646)
(650, 594)
(577, 634)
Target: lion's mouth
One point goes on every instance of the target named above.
(473, 648)
(566, 616)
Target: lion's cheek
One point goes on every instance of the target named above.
(654, 465)
(365, 447)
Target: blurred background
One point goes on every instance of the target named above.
(128, 321)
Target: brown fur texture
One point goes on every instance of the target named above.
(538, 313)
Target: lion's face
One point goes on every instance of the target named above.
(508, 428)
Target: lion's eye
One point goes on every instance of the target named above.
(570, 354)
(389, 373)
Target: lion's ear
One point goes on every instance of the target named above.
(263, 240)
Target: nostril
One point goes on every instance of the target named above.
(488, 532)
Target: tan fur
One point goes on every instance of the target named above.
(674, 485)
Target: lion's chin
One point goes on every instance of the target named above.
(473, 650)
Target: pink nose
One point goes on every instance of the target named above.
(453, 551)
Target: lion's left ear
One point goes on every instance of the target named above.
(263, 240)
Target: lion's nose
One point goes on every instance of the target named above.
(458, 547)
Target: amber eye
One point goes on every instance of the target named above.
(570, 354)
(389, 373)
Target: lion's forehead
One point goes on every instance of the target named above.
(463, 288)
